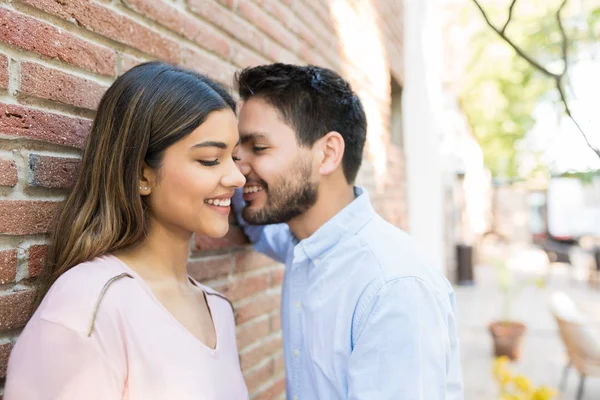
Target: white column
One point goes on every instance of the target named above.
(422, 109)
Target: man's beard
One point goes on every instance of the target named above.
(287, 198)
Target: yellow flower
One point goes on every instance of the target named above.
(522, 383)
(500, 366)
(540, 283)
(505, 378)
(543, 393)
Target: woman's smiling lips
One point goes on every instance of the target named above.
(220, 204)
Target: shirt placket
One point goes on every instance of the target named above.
(298, 293)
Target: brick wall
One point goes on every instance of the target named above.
(58, 57)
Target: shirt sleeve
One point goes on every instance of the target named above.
(406, 346)
(52, 362)
(272, 240)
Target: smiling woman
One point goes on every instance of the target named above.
(118, 316)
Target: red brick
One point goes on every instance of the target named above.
(243, 57)
(230, 23)
(128, 62)
(26, 217)
(187, 26)
(52, 172)
(258, 377)
(3, 71)
(250, 259)
(273, 391)
(209, 65)
(240, 287)
(210, 268)
(39, 37)
(275, 322)
(16, 120)
(51, 84)
(38, 254)
(8, 173)
(15, 309)
(278, 363)
(288, 19)
(258, 306)
(277, 276)
(8, 266)
(118, 27)
(269, 25)
(228, 3)
(234, 237)
(252, 331)
(254, 355)
(318, 18)
(5, 349)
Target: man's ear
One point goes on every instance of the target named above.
(331, 152)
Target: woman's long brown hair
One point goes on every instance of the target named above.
(144, 111)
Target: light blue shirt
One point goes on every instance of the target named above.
(363, 316)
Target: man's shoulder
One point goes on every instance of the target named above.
(397, 255)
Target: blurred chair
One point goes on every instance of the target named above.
(584, 264)
(580, 337)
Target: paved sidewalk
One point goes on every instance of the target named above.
(542, 356)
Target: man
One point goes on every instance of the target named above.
(363, 316)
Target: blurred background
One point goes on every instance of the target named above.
(521, 83)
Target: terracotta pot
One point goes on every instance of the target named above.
(507, 337)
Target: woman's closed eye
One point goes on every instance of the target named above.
(212, 163)
(209, 163)
(258, 149)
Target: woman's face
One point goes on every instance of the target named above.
(192, 189)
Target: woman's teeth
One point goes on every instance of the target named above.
(252, 189)
(219, 202)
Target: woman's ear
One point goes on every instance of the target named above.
(147, 179)
(331, 152)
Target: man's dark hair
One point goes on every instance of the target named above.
(313, 101)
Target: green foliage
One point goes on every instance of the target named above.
(501, 90)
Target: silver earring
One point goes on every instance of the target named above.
(145, 187)
(140, 187)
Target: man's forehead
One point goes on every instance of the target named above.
(247, 136)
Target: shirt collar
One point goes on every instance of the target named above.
(345, 223)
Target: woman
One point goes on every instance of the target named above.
(120, 318)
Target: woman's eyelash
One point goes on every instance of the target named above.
(209, 163)
(259, 148)
(236, 159)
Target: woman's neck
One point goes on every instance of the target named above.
(161, 257)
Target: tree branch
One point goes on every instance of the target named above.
(558, 78)
(510, 11)
(516, 48)
(563, 98)
(565, 40)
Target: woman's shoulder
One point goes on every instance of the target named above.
(76, 295)
(211, 293)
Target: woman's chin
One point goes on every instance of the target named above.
(216, 232)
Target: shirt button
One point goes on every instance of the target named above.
(296, 353)
(317, 261)
(298, 305)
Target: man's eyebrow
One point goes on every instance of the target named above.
(210, 143)
(246, 136)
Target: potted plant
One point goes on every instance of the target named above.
(507, 333)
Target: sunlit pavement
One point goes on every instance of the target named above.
(542, 356)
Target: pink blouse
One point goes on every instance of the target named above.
(136, 350)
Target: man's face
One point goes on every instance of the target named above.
(279, 180)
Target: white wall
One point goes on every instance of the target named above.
(422, 108)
